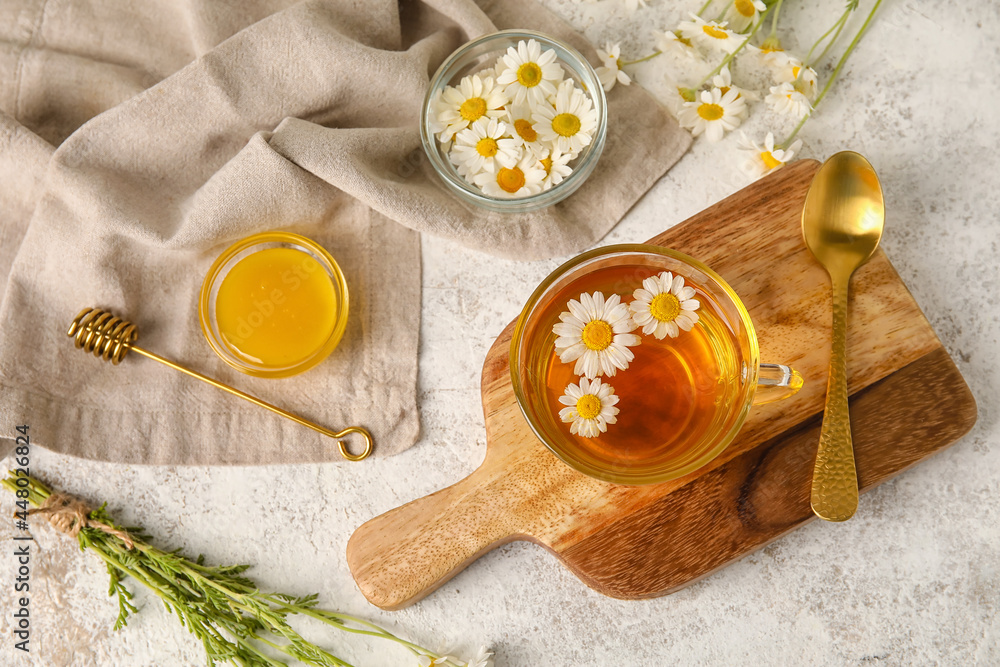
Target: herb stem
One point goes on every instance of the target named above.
(233, 619)
(774, 22)
(838, 26)
(840, 64)
(652, 55)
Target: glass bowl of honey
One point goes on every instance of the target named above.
(274, 304)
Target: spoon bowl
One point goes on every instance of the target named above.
(844, 213)
(842, 222)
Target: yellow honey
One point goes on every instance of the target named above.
(276, 307)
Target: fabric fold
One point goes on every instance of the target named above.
(293, 116)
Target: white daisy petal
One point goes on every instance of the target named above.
(710, 35)
(670, 309)
(714, 114)
(599, 339)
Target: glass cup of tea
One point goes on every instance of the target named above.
(682, 397)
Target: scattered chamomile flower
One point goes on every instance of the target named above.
(785, 99)
(742, 13)
(786, 68)
(674, 43)
(458, 107)
(714, 115)
(483, 658)
(596, 334)
(611, 71)
(570, 124)
(522, 131)
(482, 147)
(529, 74)
(724, 82)
(556, 165)
(664, 305)
(766, 158)
(522, 180)
(590, 407)
(709, 34)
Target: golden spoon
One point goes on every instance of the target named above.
(842, 224)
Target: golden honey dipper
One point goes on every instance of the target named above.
(111, 338)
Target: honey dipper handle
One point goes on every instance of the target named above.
(273, 408)
(401, 556)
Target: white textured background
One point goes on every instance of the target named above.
(914, 578)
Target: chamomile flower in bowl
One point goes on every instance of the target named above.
(514, 121)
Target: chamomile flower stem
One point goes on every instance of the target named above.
(840, 64)
(774, 22)
(728, 59)
(838, 26)
(708, 3)
(652, 55)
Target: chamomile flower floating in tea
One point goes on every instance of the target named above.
(596, 334)
(590, 407)
(664, 305)
(529, 74)
(458, 107)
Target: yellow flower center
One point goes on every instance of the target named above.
(525, 130)
(724, 90)
(769, 160)
(795, 71)
(665, 307)
(745, 8)
(589, 406)
(714, 32)
(597, 335)
(710, 111)
(547, 163)
(487, 147)
(510, 180)
(566, 124)
(529, 75)
(473, 109)
(682, 39)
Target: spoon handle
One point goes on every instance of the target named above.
(835, 479)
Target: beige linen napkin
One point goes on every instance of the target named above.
(137, 141)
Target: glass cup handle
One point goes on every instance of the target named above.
(775, 382)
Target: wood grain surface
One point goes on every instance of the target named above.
(908, 401)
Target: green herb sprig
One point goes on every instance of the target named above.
(231, 616)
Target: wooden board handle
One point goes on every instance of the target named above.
(401, 556)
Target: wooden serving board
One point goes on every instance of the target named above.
(908, 401)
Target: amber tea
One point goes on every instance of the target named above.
(675, 394)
